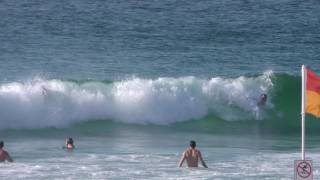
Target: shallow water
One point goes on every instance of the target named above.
(133, 153)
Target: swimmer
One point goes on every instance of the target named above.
(263, 99)
(4, 155)
(44, 91)
(192, 155)
(69, 144)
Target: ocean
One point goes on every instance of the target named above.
(132, 82)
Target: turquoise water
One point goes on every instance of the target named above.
(135, 152)
(133, 82)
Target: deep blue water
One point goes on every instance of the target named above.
(111, 40)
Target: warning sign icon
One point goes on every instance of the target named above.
(303, 170)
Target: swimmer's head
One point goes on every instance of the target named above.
(264, 97)
(192, 144)
(1, 144)
(70, 141)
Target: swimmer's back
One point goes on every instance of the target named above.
(192, 157)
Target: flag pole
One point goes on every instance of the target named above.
(303, 104)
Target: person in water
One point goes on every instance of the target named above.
(263, 99)
(4, 155)
(69, 144)
(192, 156)
(44, 91)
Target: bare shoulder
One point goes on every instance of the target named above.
(184, 153)
(5, 152)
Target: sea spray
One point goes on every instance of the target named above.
(56, 103)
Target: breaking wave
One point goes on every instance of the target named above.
(42, 103)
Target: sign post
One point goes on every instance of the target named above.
(303, 168)
(303, 108)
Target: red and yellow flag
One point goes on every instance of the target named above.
(313, 93)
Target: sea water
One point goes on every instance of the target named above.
(132, 82)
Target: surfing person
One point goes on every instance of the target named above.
(192, 156)
(69, 144)
(44, 91)
(4, 155)
(263, 99)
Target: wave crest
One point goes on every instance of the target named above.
(56, 103)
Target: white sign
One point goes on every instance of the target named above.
(303, 170)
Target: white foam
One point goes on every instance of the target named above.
(43, 103)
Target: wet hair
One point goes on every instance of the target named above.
(1, 144)
(264, 96)
(192, 144)
(70, 141)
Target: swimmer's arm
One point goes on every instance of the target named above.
(183, 157)
(9, 159)
(202, 161)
